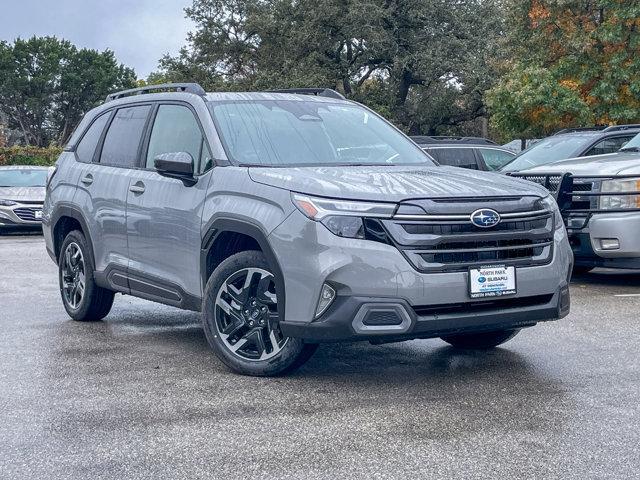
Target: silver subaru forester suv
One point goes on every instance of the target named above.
(292, 218)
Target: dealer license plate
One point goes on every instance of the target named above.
(492, 281)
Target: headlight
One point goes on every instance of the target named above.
(614, 202)
(342, 217)
(549, 203)
(7, 203)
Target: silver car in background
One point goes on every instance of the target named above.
(22, 190)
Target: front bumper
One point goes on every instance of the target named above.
(355, 318)
(21, 215)
(366, 272)
(624, 227)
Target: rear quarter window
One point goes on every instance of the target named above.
(87, 146)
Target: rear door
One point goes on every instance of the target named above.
(104, 183)
(164, 215)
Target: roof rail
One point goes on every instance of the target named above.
(596, 128)
(318, 92)
(176, 87)
(620, 128)
(439, 139)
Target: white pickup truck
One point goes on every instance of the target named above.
(599, 197)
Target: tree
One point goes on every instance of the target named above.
(47, 85)
(578, 63)
(406, 58)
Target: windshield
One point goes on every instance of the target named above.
(299, 133)
(548, 150)
(632, 145)
(23, 178)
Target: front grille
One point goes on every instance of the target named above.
(450, 242)
(27, 213)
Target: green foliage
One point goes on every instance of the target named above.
(47, 85)
(531, 103)
(29, 155)
(578, 63)
(424, 63)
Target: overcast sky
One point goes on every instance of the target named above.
(138, 31)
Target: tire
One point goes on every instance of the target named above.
(88, 304)
(581, 270)
(484, 340)
(240, 319)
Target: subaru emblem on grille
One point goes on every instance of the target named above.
(485, 218)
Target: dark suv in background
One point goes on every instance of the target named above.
(466, 152)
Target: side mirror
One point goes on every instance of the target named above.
(176, 165)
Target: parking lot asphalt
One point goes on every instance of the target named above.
(139, 395)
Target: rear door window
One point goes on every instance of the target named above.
(87, 146)
(455, 157)
(122, 142)
(495, 159)
(608, 145)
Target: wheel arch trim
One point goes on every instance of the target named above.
(221, 225)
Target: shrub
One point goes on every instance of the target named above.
(29, 155)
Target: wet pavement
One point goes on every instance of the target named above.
(139, 395)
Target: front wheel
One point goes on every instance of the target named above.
(483, 340)
(240, 319)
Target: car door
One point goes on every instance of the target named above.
(164, 214)
(104, 182)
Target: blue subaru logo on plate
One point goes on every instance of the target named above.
(481, 279)
(485, 218)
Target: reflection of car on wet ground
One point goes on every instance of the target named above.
(573, 143)
(467, 152)
(22, 191)
(600, 201)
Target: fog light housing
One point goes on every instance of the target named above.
(609, 243)
(327, 295)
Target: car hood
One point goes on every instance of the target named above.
(22, 194)
(618, 163)
(393, 183)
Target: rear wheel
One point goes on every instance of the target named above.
(482, 340)
(240, 318)
(83, 300)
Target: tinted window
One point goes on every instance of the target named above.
(455, 157)
(494, 158)
(123, 137)
(608, 145)
(89, 142)
(293, 132)
(23, 177)
(175, 130)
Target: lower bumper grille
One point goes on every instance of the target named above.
(483, 306)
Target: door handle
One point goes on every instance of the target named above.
(137, 188)
(87, 179)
